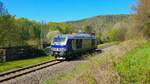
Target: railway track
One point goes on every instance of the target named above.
(6, 76)
(23, 71)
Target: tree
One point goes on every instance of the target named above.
(117, 35)
(88, 29)
(8, 30)
(61, 27)
(141, 18)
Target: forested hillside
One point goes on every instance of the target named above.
(102, 25)
(103, 21)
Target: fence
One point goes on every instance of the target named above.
(21, 52)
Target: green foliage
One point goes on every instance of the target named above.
(98, 37)
(22, 30)
(8, 30)
(26, 32)
(134, 68)
(88, 29)
(61, 27)
(116, 35)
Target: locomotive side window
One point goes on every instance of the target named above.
(79, 43)
(74, 44)
(69, 43)
(87, 43)
(93, 42)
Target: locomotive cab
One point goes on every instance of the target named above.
(58, 46)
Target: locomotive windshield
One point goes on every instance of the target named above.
(59, 39)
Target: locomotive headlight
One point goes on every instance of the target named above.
(63, 49)
(61, 53)
(59, 49)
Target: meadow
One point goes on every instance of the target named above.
(5, 66)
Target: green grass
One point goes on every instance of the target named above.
(22, 63)
(108, 44)
(134, 67)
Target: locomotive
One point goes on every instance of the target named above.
(68, 45)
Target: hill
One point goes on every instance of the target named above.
(102, 25)
(104, 21)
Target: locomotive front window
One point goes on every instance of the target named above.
(58, 39)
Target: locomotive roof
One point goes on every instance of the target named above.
(77, 36)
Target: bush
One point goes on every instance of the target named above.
(117, 35)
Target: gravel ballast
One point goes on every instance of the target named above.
(39, 76)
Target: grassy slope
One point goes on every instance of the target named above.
(135, 66)
(102, 68)
(22, 63)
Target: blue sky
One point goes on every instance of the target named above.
(66, 10)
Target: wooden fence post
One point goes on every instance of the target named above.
(2, 55)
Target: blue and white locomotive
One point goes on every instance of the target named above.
(68, 45)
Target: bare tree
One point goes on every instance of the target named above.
(3, 10)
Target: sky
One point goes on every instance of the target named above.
(66, 10)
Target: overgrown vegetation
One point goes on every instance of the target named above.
(134, 67)
(140, 20)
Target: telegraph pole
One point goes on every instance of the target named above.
(41, 36)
